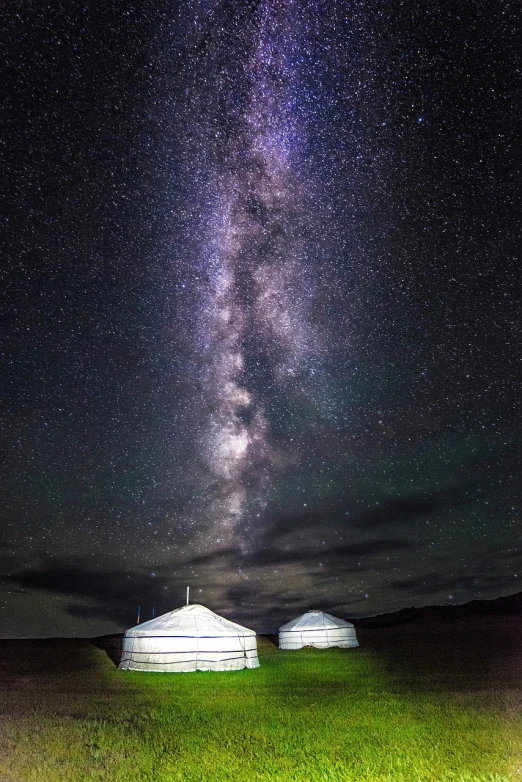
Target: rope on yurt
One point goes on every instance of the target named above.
(131, 657)
(196, 638)
(239, 636)
(242, 643)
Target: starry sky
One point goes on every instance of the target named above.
(260, 308)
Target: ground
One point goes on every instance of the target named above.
(435, 701)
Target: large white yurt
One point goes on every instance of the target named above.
(192, 638)
(315, 628)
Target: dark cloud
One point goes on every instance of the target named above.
(108, 594)
(242, 595)
(517, 554)
(223, 554)
(430, 584)
(411, 508)
(337, 558)
(344, 514)
(332, 555)
(10, 547)
(97, 593)
(96, 611)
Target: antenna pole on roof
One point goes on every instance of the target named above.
(139, 611)
(188, 594)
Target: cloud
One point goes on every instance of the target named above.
(103, 593)
(343, 514)
(333, 555)
(432, 583)
(408, 508)
(339, 557)
(111, 612)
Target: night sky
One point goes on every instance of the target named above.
(260, 308)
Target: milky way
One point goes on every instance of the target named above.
(255, 326)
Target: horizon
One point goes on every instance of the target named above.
(273, 631)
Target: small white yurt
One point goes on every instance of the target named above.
(315, 628)
(192, 638)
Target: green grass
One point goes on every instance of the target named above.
(386, 711)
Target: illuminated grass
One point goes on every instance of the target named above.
(303, 716)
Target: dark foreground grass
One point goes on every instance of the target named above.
(410, 704)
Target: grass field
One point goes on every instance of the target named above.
(437, 702)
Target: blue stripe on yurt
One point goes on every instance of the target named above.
(196, 651)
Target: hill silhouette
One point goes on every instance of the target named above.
(510, 605)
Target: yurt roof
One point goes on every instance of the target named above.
(194, 621)
(314, 620)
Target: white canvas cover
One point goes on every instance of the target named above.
(192, 638)
(315, 628)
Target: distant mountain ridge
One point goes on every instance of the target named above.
(511, 605)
